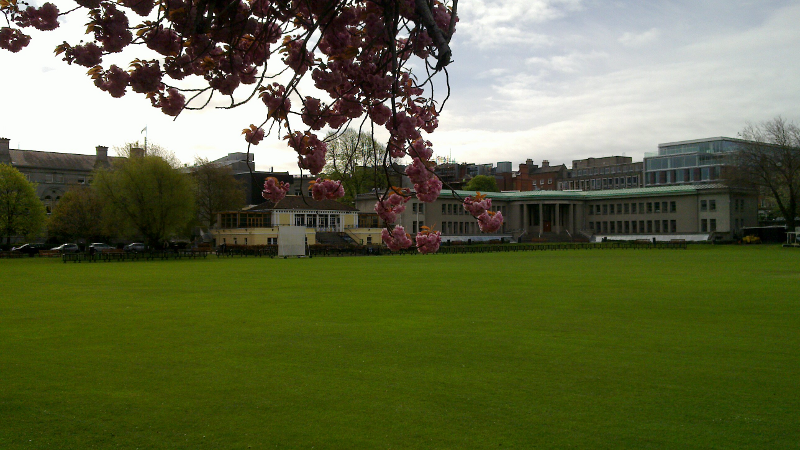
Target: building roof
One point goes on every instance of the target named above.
(50, 160)
(299, 202)
(589, 195)
(548, 169)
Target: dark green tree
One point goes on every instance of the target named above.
(146, 197)
(482, 183)
(21, 211)
(76, 216)
(215, 190)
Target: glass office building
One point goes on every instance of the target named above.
(686, 162)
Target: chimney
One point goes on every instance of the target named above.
(5, 155)
(101, 156)
(545, 163)
(137, 152)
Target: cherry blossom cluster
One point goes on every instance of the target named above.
(274, 190)
(326, 189)
(357, 54)
(477, 205)
(490, 221)
(428, 241)
(397, 239)
(389, 207)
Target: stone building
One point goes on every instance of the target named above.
(54, 173)
(696, 212)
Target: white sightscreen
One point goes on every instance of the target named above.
(291, 240)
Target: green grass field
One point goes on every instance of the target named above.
(695, 348)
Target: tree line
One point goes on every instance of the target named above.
(139, 197)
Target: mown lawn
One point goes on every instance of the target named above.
(695, 348)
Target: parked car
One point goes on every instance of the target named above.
(136, 247)
(99, 247)
(29, 249)
(67, 248)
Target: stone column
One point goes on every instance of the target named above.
(557, 224)
(572, 218)
(541, 218)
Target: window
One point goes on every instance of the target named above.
(413, 207)
(641, 208)
(641, 226)
(627, 208)
(48, 178)
(627, 227)
(444, 209)
(81, 180)
(549, 181)
(703, 206)
(673, 207)
(421, 208)
(658, 226)
(665, 225)
(712, 206)
(611, 230)
(619, 208)
(657, 207)
(664, 206)
(591, 210)
(559, 186)
(673, 226)
(605, 227)
(649, 226)
(598, 209)
(541, 182)
(605, 209)
(633, 227)
(633, 208)
(713, 225)
(704, 226)
(649, 211)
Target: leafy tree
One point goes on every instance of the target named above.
(153, 149)
(21, 211)
(352, 159)
(771, 161)
(76, 215)
(215, 190)
(145, 196)
(482, 183)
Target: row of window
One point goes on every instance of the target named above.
(738, 204)
(634, 227)
(683, 175)
(457, 209)
(600, 183)
(708, 225)
(605, 170)
(55, 178)
(631, 208)
(708, 205)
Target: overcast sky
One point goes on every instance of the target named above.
(541, 79)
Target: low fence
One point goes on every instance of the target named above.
(119, 255)
(271, 251)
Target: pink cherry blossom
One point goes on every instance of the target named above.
(428, 241)
(172, 104)
(253, 135)
(397, 240)
(274, 190)
(490, 221)
(389, 207)
(13, 40)
(477, 206)
(327, 189)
